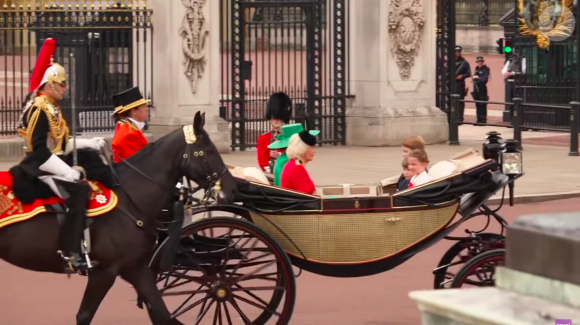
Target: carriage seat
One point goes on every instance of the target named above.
(450, 167)
(251, 174)
(346, 190)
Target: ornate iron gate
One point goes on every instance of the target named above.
(284, 46)
(445, 53)
(112, 48)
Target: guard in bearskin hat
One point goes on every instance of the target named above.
(131, 113)
(47, 139)
(278, 112)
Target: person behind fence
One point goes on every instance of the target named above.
(479, 79)
(515, 65)
(278, 112)
(47, 139)
(300, 151)
(131, 113)
(418, 162)
(462, 72)
(407, 147)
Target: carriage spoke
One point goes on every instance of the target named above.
(245, 318)
(203, 311)
(245, 276)
(187, 292)
(190, 307)
(218, 314)
(263, 276)
(227, 312)
(249, 293)
(186, 301)
(249, 302)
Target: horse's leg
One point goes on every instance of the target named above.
(99, 284)
(141, 278)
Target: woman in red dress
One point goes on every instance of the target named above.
(131, 113)
(300, 152)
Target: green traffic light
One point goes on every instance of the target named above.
(507, 49)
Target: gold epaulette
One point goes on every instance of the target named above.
(58, 127)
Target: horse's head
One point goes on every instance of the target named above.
(202, 162)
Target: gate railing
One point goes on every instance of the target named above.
(112, 47)
(298, 47)
(526, 116)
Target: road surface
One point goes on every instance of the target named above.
(29, 298)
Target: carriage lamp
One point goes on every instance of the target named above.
(492, 146)
(511, 158)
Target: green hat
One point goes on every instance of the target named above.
(286, 132)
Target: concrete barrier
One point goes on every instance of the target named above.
(540, 284)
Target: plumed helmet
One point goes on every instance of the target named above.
(279, 107)
(54, 73)
(43, 62)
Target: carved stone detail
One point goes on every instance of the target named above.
(406, 21)
(194, 33)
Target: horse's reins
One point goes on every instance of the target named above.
(212, 179)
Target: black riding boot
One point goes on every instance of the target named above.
(74, 225)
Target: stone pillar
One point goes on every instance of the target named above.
(186, 67)
(540, 284)
(392, 46)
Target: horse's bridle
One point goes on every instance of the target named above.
(213, 178)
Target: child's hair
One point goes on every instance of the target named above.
(405, 163)
(415, 142)
(420, 154)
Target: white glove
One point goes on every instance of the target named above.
(56, 166)
(94, 143)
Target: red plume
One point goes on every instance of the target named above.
(42, 63)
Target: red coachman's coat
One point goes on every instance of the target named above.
(128, 140)
(263, 152)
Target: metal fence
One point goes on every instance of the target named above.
(299, 47)
(112, 48)
(481, 12)
(528, 116)
(551, 80)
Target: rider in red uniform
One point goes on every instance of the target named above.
(278, 111)
(131, 113)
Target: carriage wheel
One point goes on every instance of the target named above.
(234, 274)
(480, 271)
(461, 252)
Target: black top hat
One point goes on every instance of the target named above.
(127, 100)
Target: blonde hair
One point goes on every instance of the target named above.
(415, 142)
(296, 147)
(420, 154)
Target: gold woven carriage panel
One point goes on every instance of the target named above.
(414, 226)
(357, 237)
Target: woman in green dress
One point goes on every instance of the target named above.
(282, 143)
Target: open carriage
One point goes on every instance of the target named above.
(344, 231)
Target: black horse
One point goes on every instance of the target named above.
(123, 240)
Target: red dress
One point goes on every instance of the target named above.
(263, 152)
(295, 177)
(128, 140)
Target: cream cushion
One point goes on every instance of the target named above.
(256, 175)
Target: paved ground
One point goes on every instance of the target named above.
(30, 298)
(549, 169)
